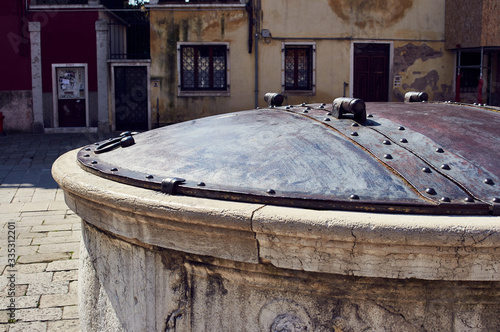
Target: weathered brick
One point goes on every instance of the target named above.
(63, 265)
(39, 314)
(60, 233)
(32, 278)
(21, 302)
(65, 275)
(39, 258)
(31, 268)
(56, 239)
(26, 250)
(20, 290)
(59, 247)
(51, 228)
(71, 312)
(57, 287)
(66, 325)
(58, 300)
(30, 326)
(29, 235)
(36, 206)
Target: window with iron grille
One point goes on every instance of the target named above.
(298, 67)
(203, 67)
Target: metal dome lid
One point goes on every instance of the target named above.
(432, 158)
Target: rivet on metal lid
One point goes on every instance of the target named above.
(354, 133)
(403, 140)
(370, 116)
(387, 156)
(430, 191)
(488, 181)
(496, 200)
(86, 155)
(114, 169)
(201, 184)
(149, 176)
(354, 197)
(401, 128)
(93, 162)
(445, 166)
(305, 111)
(439, 150)
(445, 199)
(386, 142)
(426, 169)
(354, 124)
(327, 119)
(468, 200)
(271, 191)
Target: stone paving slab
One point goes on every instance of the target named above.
(45, 234)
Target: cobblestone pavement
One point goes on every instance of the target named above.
(39, 230)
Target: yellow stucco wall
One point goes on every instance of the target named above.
(171, 26)
(415, 29)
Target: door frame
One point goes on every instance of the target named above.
(391, 65)
(55, 88)
(112, 92)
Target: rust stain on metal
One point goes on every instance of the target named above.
(408, 54)
(365, 14)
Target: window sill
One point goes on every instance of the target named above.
(298, 92)
(204, 94)
(67, 6)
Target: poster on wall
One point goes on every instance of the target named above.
(71, 83)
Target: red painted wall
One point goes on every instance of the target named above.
(15, 60)
(68, 37)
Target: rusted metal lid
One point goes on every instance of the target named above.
(433, 158)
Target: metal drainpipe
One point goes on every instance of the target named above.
(256, 69)
(257, 17)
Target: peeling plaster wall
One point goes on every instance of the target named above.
(423, 67)
(389, 19)
(415, 28)
(210, 25)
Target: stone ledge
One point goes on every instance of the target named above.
(347, 243)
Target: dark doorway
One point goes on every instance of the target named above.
(71, 103)
(371, 71)
(131, 98)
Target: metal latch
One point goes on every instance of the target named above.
(168, 185)
(125, 139)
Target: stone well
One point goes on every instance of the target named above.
(249, 222)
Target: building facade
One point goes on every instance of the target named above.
(89, 65)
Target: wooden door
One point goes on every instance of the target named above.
(371, 71)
